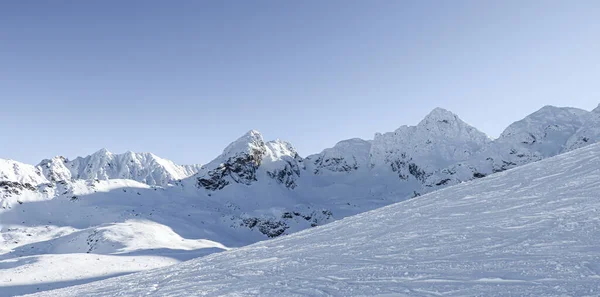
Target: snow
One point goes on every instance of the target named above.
(143, 167)
(439, 140)
(20, 172)
(546, 131)
(346, 155)
(588, 133)
(107, 228)
(46, 272)
(250, 141)
(137, 204)
(530, 231)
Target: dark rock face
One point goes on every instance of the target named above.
(417, 172)
(397, 166)
(314, 217)
(442, 182)
(288, 174)
(478, 175)
(11, 187)
(239, 169)
(505, 165)
(268, 227)
(405, 168)
(273, 227)
(335, 164)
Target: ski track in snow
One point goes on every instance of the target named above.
(529, 231)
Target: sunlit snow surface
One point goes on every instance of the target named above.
(530, 231)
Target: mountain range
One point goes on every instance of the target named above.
(138, 204)
(530, 231)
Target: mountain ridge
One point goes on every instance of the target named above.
(529, 231)
(440, 150)
(254, 190)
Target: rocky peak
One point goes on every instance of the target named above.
(439, 115)
(247, 158)
(103, 152)
(55, 169)
(238, 163)
(249, 143)
(441, 123)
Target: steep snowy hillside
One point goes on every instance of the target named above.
(531, 231)
(19, 182)
(540, 135)
(588, 133)
(143, 167)
(19, 172)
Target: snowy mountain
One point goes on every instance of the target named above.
(254, 190)
(542, 134)
(21, 182)
(20, 173)
(588, 133)
(531, 231)
(143, 167)
(240, 162)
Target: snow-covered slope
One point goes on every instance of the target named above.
(531, 231)
(19, 182)
(254, 190)
(588, 133)
(19, 172)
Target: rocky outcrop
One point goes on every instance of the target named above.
(345, 157)
(273, 226)
(238, 169)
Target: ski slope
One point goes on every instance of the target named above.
(530, 231)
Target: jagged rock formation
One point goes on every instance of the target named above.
(241, 160)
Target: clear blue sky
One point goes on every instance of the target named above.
(182, 79)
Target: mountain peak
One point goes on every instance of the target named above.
(102, 152)
(597, 109)
(439, 115)
(248, 142)
(441, 112)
